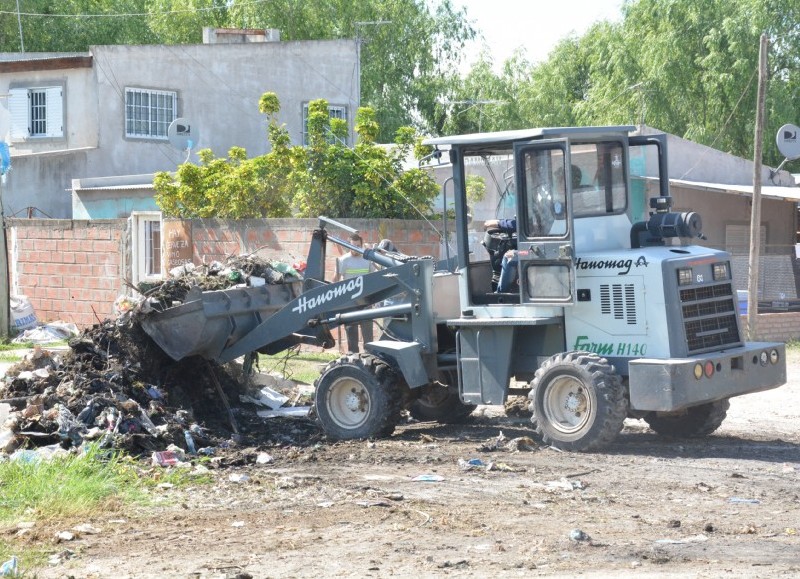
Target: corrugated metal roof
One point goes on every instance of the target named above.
(769, 191)
(114, 188)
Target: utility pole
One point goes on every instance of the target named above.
(755, 214)
(4, 289)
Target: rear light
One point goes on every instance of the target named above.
(709, 369)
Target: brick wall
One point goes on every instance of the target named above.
(783, 327)
(72, 271)
(288, 239)
(69, 270)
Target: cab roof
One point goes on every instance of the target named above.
(526, 135)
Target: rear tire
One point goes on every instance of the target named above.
(357, 396)
(578, 402)
(694, 422)
(439, 401)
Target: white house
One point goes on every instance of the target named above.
(97, 116)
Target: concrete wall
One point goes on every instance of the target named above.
(74, 270)
(218, 88)
(719, 210)
(42, 167)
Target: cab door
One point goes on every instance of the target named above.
(545, 239)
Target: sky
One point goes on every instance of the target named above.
(535, 24)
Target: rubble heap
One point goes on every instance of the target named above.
(114, 385)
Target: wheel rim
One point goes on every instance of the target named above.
(567, 404)
(348, 402)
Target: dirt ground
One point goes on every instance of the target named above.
(727, 505)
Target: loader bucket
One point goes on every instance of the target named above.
(208, 322)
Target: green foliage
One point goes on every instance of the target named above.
(476, 188)
(325, 178)
(685, 67)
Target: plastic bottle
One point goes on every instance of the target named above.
(189, 442)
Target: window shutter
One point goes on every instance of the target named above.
(55, 112)
(18, 109)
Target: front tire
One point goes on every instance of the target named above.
(439, 401)
(694, 422)
(577, 401)
(357, 396)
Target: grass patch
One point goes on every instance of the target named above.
(63, 491)
(296, 365)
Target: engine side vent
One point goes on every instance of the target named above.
(709, 317)
(619, 300)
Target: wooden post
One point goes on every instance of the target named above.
(755, 214)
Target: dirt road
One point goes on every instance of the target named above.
(727, 505)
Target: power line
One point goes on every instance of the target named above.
(132, 14)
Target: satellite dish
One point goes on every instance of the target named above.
(183, 134)
(788, 141)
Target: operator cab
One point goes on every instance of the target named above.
(545, 179)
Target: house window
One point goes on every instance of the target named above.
(36, 112)
(334, 112)
(148, 113)
(146, 246)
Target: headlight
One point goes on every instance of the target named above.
(763, 358)
(685, 276)
(721, 271)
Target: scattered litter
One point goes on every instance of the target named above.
(685, 540)
(237, 524)
(564, 484)
(9, 568)
(471, 464)
(493, 444)
(60, 557)
(788, 467)
(238, 478)
(266, 397)
(87, 529)
(523, 443)
(503, 467)
(292, 411)
(264, 458)
(326, 504)
(114, 386)
(743, 501)
(165, 458)
(428, 478)
(64, 536)
(52, 332)
(578, 536)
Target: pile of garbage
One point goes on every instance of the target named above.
(115, 387)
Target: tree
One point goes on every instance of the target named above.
(325, 178)
(682, 66)
(72, 25)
